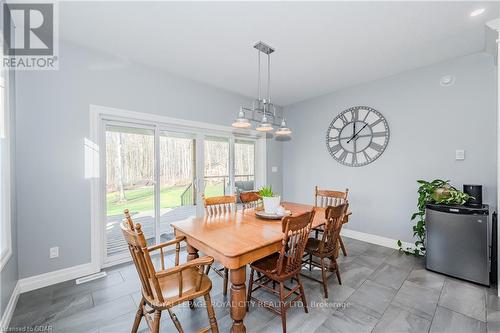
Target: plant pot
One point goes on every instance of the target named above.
(271, 204)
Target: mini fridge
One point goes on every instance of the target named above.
(458, 242)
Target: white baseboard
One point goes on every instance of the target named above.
(50, 278)
(9, 309)
(374, 239)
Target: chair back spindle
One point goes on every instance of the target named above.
(334, 216)
(295, 234)
(219, 205)
(325, 198)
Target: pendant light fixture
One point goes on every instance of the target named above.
(241, 121)
(283, 129)
(265, 125)
(263, 111)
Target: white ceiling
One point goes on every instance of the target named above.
(320, 47)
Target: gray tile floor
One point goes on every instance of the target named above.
(382, 291)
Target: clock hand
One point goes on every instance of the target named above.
(353, 131)
(355, 135)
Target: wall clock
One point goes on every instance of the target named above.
(357, 136)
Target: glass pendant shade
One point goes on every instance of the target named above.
(283, 129)
(264, 126)
(241, 121)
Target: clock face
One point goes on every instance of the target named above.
(357, 136)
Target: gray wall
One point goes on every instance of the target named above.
(52, 122)
(427, 122)
(9, 273)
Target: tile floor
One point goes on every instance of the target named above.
(382, 291)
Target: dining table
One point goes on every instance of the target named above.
(236, 239)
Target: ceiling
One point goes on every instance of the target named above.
(320, 47)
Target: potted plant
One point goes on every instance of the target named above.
(437, 191)
(270, 199)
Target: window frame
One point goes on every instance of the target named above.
(5, 176)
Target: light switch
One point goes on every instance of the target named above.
(460, 154)
(54, 252)
(274, 169)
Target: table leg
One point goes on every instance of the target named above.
(238, 299)
(192, 254)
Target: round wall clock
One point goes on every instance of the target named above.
(357, 136)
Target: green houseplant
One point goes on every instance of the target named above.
(270, 199)
(437, 191)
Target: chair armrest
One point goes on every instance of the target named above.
(205, 260)
(177, 240)
(346, 217)
(160, 247)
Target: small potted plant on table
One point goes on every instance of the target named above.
(270, 199)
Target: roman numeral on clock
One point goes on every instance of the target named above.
(355, 115)
(367, 157)
(379, 134)
(376, 122)
(376, 147)
(343, 156)
(335, 149)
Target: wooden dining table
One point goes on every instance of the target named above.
(236, 239)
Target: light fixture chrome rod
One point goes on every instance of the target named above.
(258, 79)
(268, 79)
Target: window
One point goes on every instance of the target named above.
(244, 166)
(216, 166)
(5, 216)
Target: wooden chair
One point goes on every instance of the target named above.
(215, 206)
(324, 198)
(283, 266)
(251, 200)
(163, 289)
(219, 205)
(326, 247)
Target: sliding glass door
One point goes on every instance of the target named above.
(244, 166)
(177, 180)
(130, 183)
(153, 172)
(216, 156)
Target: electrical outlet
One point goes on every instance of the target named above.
(274, 169)
(459, 154)
(54, 252)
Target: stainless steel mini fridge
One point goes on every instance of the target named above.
(458, 242)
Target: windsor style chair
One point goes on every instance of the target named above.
(284, 265)
(327, 245)
(164, 289)
(215, 206)
(325, 198)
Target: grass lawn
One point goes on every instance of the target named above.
(142, 199)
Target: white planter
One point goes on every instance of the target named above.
(271, 204)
